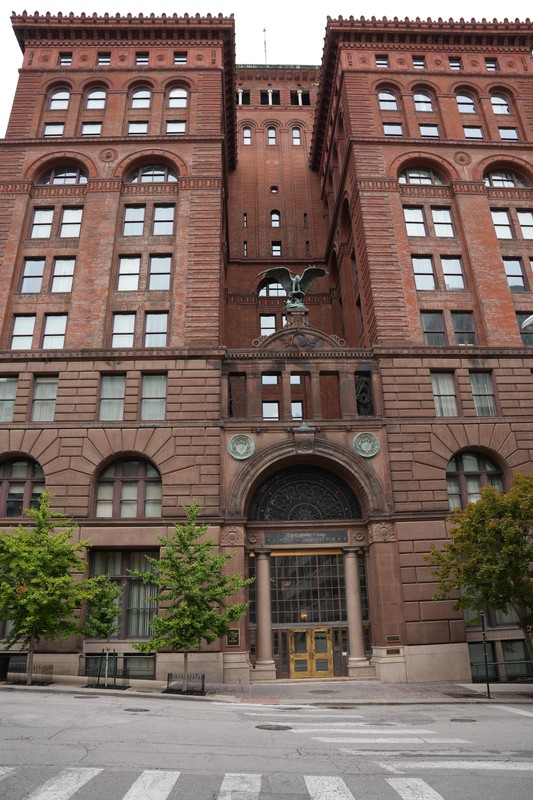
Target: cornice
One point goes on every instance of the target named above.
(344, 354)
(134, 354)
(467, 352)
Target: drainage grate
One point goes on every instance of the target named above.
(463, 719)
(274, 727)
(136, 710)
(323, 691)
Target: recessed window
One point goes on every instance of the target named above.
(153, 396)
(178, 97)
(103, 59)
(491, 64)
(180, 57)
(65, 59)
(521, 316)
(270, 97)
(433, 328)
(270, 411)
(163, 220)
(152, 173)
(59, 99)
(133, 220)
(267, 324)
(453, 273)
(136, 128)
(159, 273)
(502, 223)
(483, 394)
(466, 474)
(444, 396)
(295, 379)
(62, 176)
(96, 99)
(55, 327)
(499, 178)
(53, 129)
(515, 274)
(91, 129)
(142, 58)
(276, 248)
(508, 134)
(414, 221)
(466, 104)
(176, 126)
(463, 327)
(243, 97)
(8, 393)
(32, 277)
(455, 63)
(112, 389)
(275, 219)
(419, 176)
(392, 129)
(387, 101)
(442, 222)
(272, 289)
(42, 223)
(123, 330)
(129, 488)
(300, 98)
(419, 62)
(269, 380)
(423, 272)
(271, 135)
(473, 132)
(128, 273)
(297, 409)
(247, 136)
(63, 274)
(525, 218)
(44, 398)
(70, 223)
(141, 97)
(500, 104)
(22, 484)
(296, 136)
(423, 101)
(155, 334)
(382, 61)
(23, 327)
(431, 131)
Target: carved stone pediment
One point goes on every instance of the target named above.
(299, 338)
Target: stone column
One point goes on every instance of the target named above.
(358, 665)
(265, 669)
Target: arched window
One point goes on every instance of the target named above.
(275, 219)
(503, 178)
(96, 98)
(500, 104)
(466, 473)
(140, 98)
(152, 173)
(387, 100)
(420, 176)
(271, 135)
(272, 289)
(59, 99)
(296, 136)
(178, 97)
(465, 103)
(423, 101)
(247, 135)
(129, 488)
(22, 484)
(62, 175)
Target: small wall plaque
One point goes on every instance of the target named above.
(233, 639)
(366, 445)
(241, 447)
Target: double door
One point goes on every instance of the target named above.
(310, 653)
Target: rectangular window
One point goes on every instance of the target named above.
(8, 393)
(463, 327)
(53, 129)
(112, 390)
(104, 59)
(508, 134)
(502, 223)
(42, 223)
(23, 327)
(433, 328)
(525, 218)
(156, 329)
(123, 330)
(55, 327)
(245, 248)
(297, 409)
(163, 220)
(483, 394)
(382, 62)
(91, 129)
(270, 410)
(419, 62)
(527, 338)
(70, 223)
(65, 59)
(135, 611)
(176, 126)
(491, 64)
(159, 275)
(180, 57)
(392, 129)
(276, 248)
(269, 380)
(515, 275)
(414, 221)
(423, 272)
(267, 324)
(455, 63)
(443, 384)
(134, 220)
(453, 272)
(431, 131)
(32, 277)
(442, 222)
(296, 137)
(142, 58)
(473, 132)
(44, 398)
(63, 274)
(153, 398)
(128, 273)
(137, 128)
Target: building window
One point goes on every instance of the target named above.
(91, 129)
(152, 173)
(472, 132)
(453, 272)
(455, 63)
(23, 327)
(276, 249)
(247, 136)
(270, 97)
(133, 220)
(442, 222)
(423, 101)
(387, 100)
(243, 97)
(382, 62)
(392, 129)
(245, 220)
(129, 488)
(53, 129)
(463, 327)
(296, 136)
(297, 409)
(300, 98)
(414, 221)
(32, 277)
(430, 131)
(508, 134)
(59, 100)
(491, 64)
(112, 390)
(500, 104)
(153, 396)
(142, 58)
(275, 219)
(483, 394)
(419, 62)
(65, 59)
(423, 272)
(96, 99)
(163, 220)
(123, 330)
(418, 176)
(267, 324)
(155, 334)
(63, 274)
(63, 175)
(433, 328)
(44, 398)
(141, 98)
(270, 410)
(466, 104)
(245, 248)
(499, 179)
(444, 396)
(269, 380)
(178, 97)
(70, 223)
(22, 484)
(8, 393)
(129, 268)
(137, 128)
(515, 275)
(466, 473)
(272, 289)
(55, 327)
(271, 135)
(525, 219)
(103, 59)
(159, 273)
(176, 127)
(180, 57)
(42, 223)
(527, 338)
(502, 223)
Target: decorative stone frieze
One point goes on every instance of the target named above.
(379, 532)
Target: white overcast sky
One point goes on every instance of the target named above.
(294, 28)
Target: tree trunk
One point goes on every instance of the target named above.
(29, 665)
(528, 641)
(185, 673)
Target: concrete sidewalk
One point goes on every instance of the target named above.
(334, 693)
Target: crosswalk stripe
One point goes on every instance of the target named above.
(5, 771)
(307, 716)
(64, 785)
(404, 766)
(364, 731)
(152, 784)
(388, 740)
(516, 710)
(322, 787)
(413, 789)
(240, 786)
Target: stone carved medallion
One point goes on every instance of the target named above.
(231, 537)
(241, 447)
(381, 532)
(366, 445)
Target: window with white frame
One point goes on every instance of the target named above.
(503, 179)
(420, 176)
(297, 409)
(133, 220)
(508, 134)
(500, 104)
(387, 100)
(153, 396)
(112, 391)
(392, 129)
(103, 59)
(65, 59)
(41, 227)
(442, 221)
(455, 63)
(70, 223)
(95, 99)
(465, 103)
(270, 410)
(155, 332)
(414, 220)
(123, 330)
(63, 274)
(514, 274)
(53, 129)
(423, 272)
(473, 132)
(382, 61)
(269, 379)
(247, 136)
(267, 324)
(91, 128)
(271, 135)
(142, 58)
(159, 272)
(296, 136)
(180, 57)
(23, 327)
(419, 62)
(163, 224)
(444, 394)
(452, 270)
(483, 394)
(152, 173)
(129, 268)
(423, 101)
(272, 289)
(32, 277)
(429, 131)
(55, 328)
(525, 220)
(44, 398)
(502, 223)
(177, 127)
(178, 97)
(137, 128)
(275, 219)
(491, 64)
(275, 248)
(59, 176)
(59, 99)
(8, 394)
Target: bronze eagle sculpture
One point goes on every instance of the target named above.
(295, 285)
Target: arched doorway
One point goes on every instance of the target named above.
(308, 613)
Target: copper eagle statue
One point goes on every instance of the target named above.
(296, 286)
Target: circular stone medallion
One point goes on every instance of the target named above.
(241, 447)
(366, 445)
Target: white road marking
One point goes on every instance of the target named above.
(307, 716)
(363, 731)
(153, 784)
(399, 767)
(389, 740)
(413, 789)
(516, 711)
(64, 785)
(5, 771)
(327, 788)
(238, 786)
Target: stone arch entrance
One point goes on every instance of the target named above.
(306, 546)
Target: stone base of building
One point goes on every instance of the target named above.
(237, 668)
(263, 671)
(211, 664)
(361, 669)
(428, 663)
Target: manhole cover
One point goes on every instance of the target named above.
(136, 710)
(274, 727)
(464, 719)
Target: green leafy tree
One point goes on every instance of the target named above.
(193, 591)
(101, 620)
(42, 590)
(489, 557)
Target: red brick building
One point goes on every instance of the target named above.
(325, 426)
